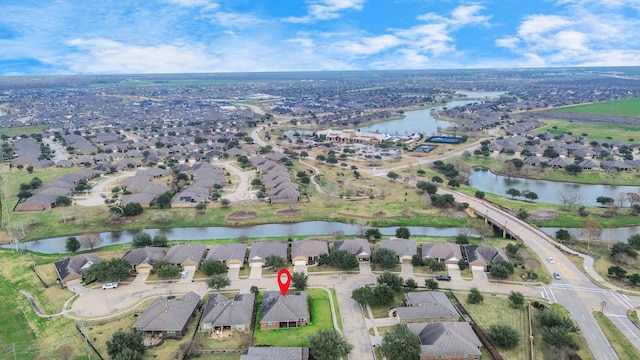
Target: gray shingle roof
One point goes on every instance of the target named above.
(227, 252)
(149, 255)
(276, 308)
(180, 253)
(442, 251)
(402, 247)
(75, 264)
(356, 246)
(221, 311)
(426, 305)
(276, 353)
(262, 249)
(168, 314)
(308, 248)
(446, 338)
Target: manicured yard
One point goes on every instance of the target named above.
(320, 319)
(627, 107)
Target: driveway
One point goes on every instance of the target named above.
(300, 268)
(365, 268)
(234, 274)
(455, 274)
(480, 276)
(407, 270)
(140, 278)
(256, 272)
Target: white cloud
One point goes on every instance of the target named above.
(326, 10)
(368, 45)
(193, 3)
(238, 20)
(460, 16)
(510, 42)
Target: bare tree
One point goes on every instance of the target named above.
(621, 199)
(91, 240)
(633, 198)
(591, 230)
(570, 199)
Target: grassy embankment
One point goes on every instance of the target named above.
(621, 345)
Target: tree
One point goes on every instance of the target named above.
(159, 240)
(299, 280)
(444, 200)
(225, 203)
(512, 249)
(431, 284)
(394, 281)
(125, 342)
(63, 201)
(72, 245)
(513, 192)
(383, 295)
(373, 234)
(403, 232)
(617, 271)
(501, 269)
(387, 258)
(416, 260)
(463, 264)
(573, 169)
(165, 270)
(343, 259)
(275, 262)
(30, 169)
(132, 209)
(363, 295)
(411, 284)
(427, 187)
(517, 299)
(164, 200)
(591, 230)
(570, 199)
(480, 194)
(393, 175)
(254, 290)
(201, 207)
(218, 281)
(400, 344)
(112, 270)
(563, 235)
(35, 183)
(560, 337)
(91, 240)
(475, 297)
(24, 194)
(211, 267)
(141, 240)
(503, 336)
(328, 344)
(435, 265)
(605, 201)
(634, 241)
(529, 195)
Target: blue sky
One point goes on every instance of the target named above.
(50, 37)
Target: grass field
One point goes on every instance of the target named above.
(320, 319)
(627, 107)
(592, 130)
(619, 342)
(23, 130)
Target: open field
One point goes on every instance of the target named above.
(627, 107)
(320, 319)
(23, 130)
(592, 130)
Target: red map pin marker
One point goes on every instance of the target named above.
(284, 284)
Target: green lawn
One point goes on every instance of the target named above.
(320, 319)
(627, 107)
(23, 130)
(623, 347)
(592, 130)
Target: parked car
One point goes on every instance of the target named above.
(443, 278)
(556, 276)
(109, 286)
(550, 260)
(184, 274)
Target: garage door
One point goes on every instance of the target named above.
(453, 266)
(300, 262)
(481, 268)
(191, 269)
(234, 266)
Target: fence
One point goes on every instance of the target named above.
(476, 329)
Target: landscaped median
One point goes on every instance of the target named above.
(621, 345)
(320, 311)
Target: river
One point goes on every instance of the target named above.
(307, 228)
(547, 191)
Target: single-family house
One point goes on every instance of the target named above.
(357, 246)
(186, 256)
(281, 312)
(480, 257)
(167, 317)
(143, 259)
(448, 253)
(404, 248)
(276, 353)
(447, 340)
(232, 254)
(71, 270)
(426, 306)
(307, 251)
(262, 249)
(222, 316)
